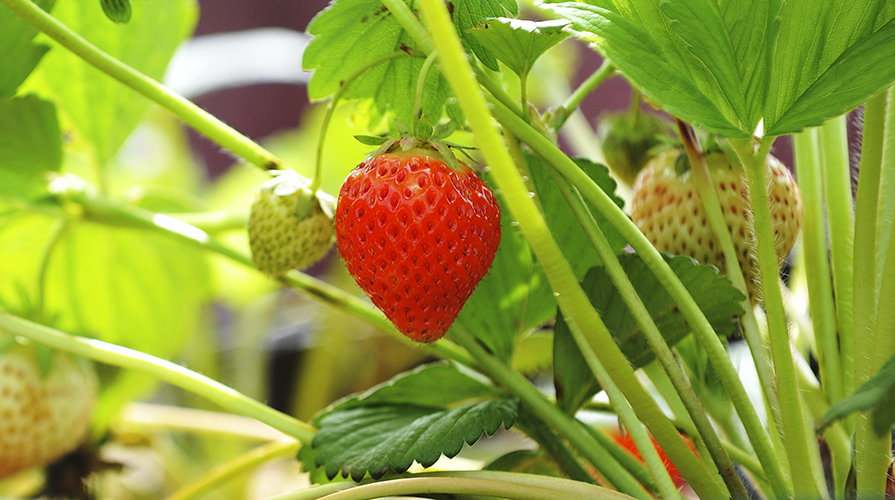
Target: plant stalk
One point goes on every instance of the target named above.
(574, 100)
(792, 417)
(192, 115)
(840, 219)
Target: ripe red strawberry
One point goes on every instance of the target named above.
(42, 416)
(280, 241)
(417, 236)
(668, 210)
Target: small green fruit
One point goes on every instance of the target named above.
(280, 238)
(627, 139)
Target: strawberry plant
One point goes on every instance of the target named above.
(646, 344)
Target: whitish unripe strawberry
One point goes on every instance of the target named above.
(279, 238)
(42, 416)
(668, 210)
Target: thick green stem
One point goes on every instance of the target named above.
(571, 298)
(559, 485)
(564, 424)
(718, 223)
(192, 115)
(227, 471)
(654, 338)
(873, 452)
(794, 431)
(174, 374)
(653, 259)
(814, 251)
(840, 219)
(420, 88)
(427, 486)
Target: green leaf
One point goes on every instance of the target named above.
(96, 108)
(118, 11)
(726, 66)
(511, 299)
(417, 416)
(351, 34)
(716, 296)
(823, 88)
(518, 43)
(876, 394)
(18, 55)
(30, 146)
(638, 38)
(562, 221)
(128, 287)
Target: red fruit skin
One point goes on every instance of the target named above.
(627, 442)
(417, 236)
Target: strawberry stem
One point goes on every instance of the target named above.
(420, 87)
(795, 434)
(593, 81)
(192, 115)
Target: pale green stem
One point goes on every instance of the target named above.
(146, 418)
(192, 115)
(559, 485)
(873, 452)
(814, 249)
(593, 81)
(717, 222)
(174, 374)
(569, 428)
(655, 340)
(331, 107)
(229, 470)
(315, 492)
(794, 431)
(840, 219)
(835, 435)
(571, 298)
(411, 24)
(653, 259)
(427, 486)
(523, 95)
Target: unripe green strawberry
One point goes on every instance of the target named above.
(42, 416)
(668, 210)
(279, 239)
(417, 235)
(628, 139)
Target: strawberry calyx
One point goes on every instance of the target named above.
(414, 146)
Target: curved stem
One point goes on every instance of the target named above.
(145, 418)
(227, 471)
(331, 107)
(192, 115)
(451, 485)
(420, 87)
(57, 231)
(315, 492)
(585, 323)
(559, 485)
(794, 432)
(653, 259)
(587, 86)
(172, 373)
